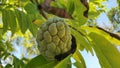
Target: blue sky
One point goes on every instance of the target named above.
(103, 19)
(91, 61)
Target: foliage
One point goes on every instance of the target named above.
(21, 19)
(114, 15)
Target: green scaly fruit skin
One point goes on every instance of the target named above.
(54, 38)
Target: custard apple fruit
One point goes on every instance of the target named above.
(54, 38)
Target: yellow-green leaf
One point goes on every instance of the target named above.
(107, 53)
(78, 13)
(31, 8)
(12, 20)
(5, 21)
(22, 20)
(79, 59)
(38, 61)
(100, 32)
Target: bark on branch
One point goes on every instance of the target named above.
(53, 10)
(110, 33)
(58, 11)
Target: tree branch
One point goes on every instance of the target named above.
(59, 12)
(53, 10)
(47, 2)
(111, 34)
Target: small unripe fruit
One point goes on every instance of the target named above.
(53, 29)
(51, 47)
(54, 38)
(60, 26)
(47, 37)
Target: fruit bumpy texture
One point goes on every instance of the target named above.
(54, 38)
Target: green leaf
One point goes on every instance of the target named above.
(2, 46)
(5, 21)
(71, 6)
(32, 27)
(2, 54)
(22, 20)
(78, 13)
(107, 53)
(23, 0)
(6, 54)
(65, 4)
(3, 1)
(18, 63)
(60, 4)
(12, 20)
(22, 64)
(9, 46)
(80, 63)
(65, 63)
(31, 8)
(9, 19)
(1, 66)
(93, 14)
(1, 31)
(8, 66)
(37, 62)
(48, 65)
